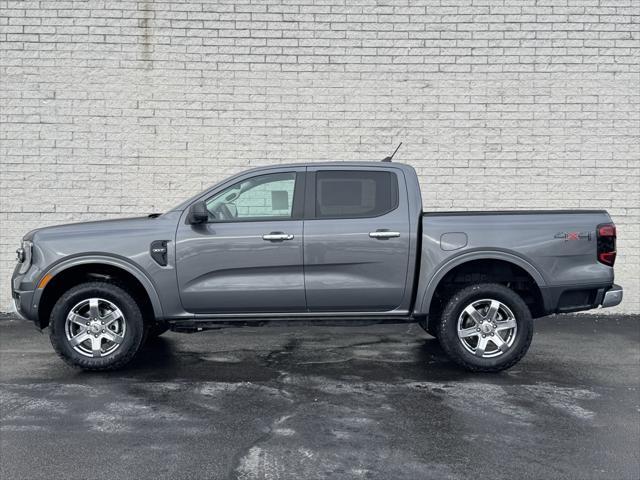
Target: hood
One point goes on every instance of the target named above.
(125, 225)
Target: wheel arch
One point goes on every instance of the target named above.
(481, 260)
(71, 272)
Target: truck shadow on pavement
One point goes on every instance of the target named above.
(374, 358)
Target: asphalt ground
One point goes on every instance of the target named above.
(309, 402)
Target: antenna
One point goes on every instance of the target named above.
(389, 158)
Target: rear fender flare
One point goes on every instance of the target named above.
(427, 296)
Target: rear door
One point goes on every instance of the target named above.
(248, 256)
(356, 242)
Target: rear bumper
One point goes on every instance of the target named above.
(612, 297)
(577, 298)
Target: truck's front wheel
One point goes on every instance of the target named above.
(485, 327)
(96, 326)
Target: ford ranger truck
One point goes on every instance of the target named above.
(327, 242)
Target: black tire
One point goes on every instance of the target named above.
(133, 336)
(448, 327)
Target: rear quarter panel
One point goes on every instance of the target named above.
(556, 248)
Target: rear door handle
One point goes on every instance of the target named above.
(383, 234)
(277, 236)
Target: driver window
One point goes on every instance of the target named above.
(262, 197)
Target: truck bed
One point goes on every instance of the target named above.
(556, 248)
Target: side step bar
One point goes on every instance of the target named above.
(192, 326)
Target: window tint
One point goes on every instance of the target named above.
(353, 194)
(260, 197)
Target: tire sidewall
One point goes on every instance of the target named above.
(128, 306)
(448, 328)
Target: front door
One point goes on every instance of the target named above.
(248, 256)
(356, 239)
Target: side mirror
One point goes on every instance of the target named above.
(198, 213)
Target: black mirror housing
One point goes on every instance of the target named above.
(198, 213)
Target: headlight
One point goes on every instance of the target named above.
(23, 255)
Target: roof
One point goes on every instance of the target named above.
(368, 164)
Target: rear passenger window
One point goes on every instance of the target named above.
(355, 194)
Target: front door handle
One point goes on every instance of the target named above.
(277, 236)
(383, 234)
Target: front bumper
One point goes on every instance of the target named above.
(612, 297)
(23, 293)
(22, 304)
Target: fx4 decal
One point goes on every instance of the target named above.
(566, 236)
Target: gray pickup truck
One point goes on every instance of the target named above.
(327, 242)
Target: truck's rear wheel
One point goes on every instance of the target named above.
(96, 326)
(485, 327)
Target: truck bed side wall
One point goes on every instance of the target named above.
(558, 249)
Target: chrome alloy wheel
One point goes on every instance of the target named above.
(487, 328)
(95, 327)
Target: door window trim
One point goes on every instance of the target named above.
(310, 203)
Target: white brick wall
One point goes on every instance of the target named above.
(115, 108)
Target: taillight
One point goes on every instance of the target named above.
(607, 230)
(607, 243)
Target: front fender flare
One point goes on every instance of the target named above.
(102, 259)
